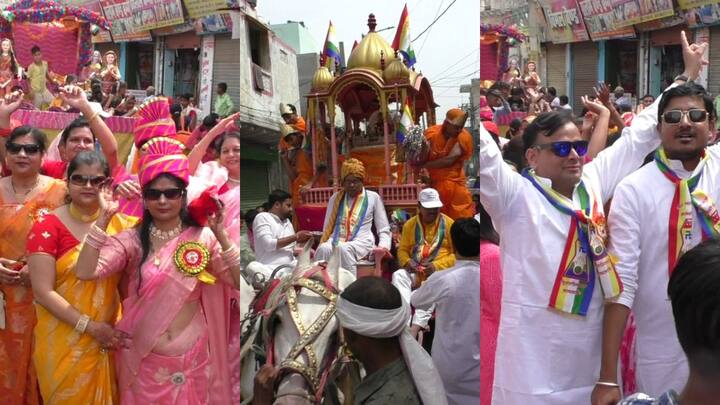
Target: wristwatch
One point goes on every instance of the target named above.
(681, 77)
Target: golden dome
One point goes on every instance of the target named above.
(322, 79)
(395, 72)
(368, 52)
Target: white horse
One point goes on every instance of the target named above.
(301, 328)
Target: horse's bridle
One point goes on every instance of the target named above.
(315, 373)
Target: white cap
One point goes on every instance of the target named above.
(430, 198)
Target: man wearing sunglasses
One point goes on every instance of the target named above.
(556, 270)
(658, 213)
(77, 137)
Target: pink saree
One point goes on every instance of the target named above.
(201, 374)
(231, 199)
(213, 173)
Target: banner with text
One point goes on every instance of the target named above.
(564, 21)
(126, 25)
(600, 20)
(629, 12)
(688, 4)
(202, 8)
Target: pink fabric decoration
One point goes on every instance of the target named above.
(59, 45)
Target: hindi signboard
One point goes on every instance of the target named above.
(157, 13)
(629, 12)
(125, 24)
(202, 8)
(600, 20)
(564, 21)
(688, 4)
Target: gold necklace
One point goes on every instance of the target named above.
(236, 181)
(37, 181)
(75, 213)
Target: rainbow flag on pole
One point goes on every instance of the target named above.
(402, 42)
(406, 122)
(331, 50)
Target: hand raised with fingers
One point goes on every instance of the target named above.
(693, 56)
(602, 91)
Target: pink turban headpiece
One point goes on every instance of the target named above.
(154, 121)
(155, 136)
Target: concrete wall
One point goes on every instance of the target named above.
(261, 108)
(307, 63)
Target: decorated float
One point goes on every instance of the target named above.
(495, 43)
(370, 96)
(64, 35)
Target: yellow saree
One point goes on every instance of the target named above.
(18, 381)
(71, 368)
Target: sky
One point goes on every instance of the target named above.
(447, 54)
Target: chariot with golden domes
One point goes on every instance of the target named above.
(366, 100)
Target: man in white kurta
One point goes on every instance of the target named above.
(349, 218)
(274, 235)
(639, 223)
(454, 292)
(543, 356)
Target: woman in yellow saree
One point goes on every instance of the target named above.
(74, 318)
(23, 196)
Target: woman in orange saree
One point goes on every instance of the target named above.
(23, 197)
(77, 312)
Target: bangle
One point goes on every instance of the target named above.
(607, 384)
(92, 117)
(231, 257)
(82, 324)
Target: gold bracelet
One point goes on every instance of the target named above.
(92, 117)
(607, 384)
(82, 324)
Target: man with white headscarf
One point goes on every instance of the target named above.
(374, 320)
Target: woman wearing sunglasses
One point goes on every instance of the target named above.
(24, 196)
(175, 311)
(78, 312)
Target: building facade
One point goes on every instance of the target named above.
(268, 77)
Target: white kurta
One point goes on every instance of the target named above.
(456, 345)
(364, 241)
(267, 229)
(543, 356)
(639, 222)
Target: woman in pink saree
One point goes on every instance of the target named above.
(227, 170)
(175, 311)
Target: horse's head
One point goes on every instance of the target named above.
(304, 333)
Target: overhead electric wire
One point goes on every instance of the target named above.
(434, 21)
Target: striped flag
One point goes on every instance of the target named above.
(402, 42)
(331, 50)
(406, 122)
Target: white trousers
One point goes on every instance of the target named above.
(403, 280)
(348, 255)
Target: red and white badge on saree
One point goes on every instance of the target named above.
(192, 259)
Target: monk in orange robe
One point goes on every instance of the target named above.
(290, 116)
(296, 161)
(450, 146)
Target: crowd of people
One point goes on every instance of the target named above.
(598, 218)
(430, 255)
(101, 79)
(119, 285)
